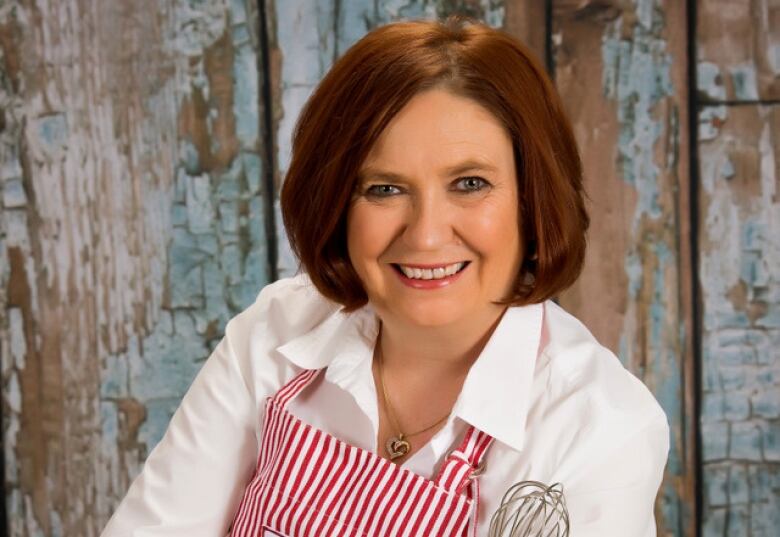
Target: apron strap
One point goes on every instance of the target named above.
(465, 462)
(460, 466)
(294, 386)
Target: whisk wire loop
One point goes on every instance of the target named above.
(531, 509)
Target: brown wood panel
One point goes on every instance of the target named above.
(738, 79)
(131, 228)
(738, 50)
(79, 181)
(739, 225)
(621, 70)
(526, 20)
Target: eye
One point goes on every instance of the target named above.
(471, 184)
(381, 191)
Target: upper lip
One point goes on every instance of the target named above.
(430, 266)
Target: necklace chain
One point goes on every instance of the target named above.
(389, 406)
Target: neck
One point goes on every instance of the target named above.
(426, 352)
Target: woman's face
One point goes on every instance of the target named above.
(437, 192)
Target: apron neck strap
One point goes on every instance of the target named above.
(465, 462)
(461, 465)
(296, 385)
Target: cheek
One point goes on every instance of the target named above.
(365, 234)
(494, 230)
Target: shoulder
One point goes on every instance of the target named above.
(283, 310)
(606, 405)
(580, 364)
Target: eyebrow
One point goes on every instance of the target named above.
(461, 167)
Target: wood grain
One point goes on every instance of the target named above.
(738, 50)
(132, 228)
(621, 70)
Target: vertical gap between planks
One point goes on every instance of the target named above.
(549, 62)
(3, 518)
(549, 58)
(267, 128)
(696, 306)
(336, 15)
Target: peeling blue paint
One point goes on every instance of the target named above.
(158, 415)
(637, 77)
(710, 120)
(13, 194)
(52, 133)
(727, 170)
(246, 97)
(716, 486)
(114, 379)
(710, 81)
(217, 257)
(633, 268)
(771, 441)
(744, 76)
(715, 440)
(741, 300)
(253, 171)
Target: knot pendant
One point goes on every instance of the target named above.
(397, 446)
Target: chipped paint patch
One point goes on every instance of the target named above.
(741, 336)
(113, 226)
(744, 80)
(217, 259)
(637, 79)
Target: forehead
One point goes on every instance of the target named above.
(437, 128)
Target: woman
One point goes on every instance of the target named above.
(417, 369)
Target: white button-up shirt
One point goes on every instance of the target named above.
(561, 407)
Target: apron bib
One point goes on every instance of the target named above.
(308, 483)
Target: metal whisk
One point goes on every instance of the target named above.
(531, 509)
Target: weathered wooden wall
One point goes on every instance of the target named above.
(738, 83)
(142, 145)
(621, 68)
(132, 228)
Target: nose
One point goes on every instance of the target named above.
(429, 223)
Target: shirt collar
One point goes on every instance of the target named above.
(496, 393)
(349, 335)
(344, 343)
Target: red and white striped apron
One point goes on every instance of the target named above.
(308, 483)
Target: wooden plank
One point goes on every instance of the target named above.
(527, 21)
(738, 50)
(738, 70)
(132, 228)
(740, 281)
(621, 70)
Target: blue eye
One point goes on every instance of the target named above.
(381, 191)
(472, 184)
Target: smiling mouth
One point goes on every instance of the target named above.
(437, 273)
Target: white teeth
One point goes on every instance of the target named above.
(431, 274)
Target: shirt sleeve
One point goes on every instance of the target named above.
(192, 481)
(616, 495)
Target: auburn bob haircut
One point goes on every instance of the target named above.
(371, 83)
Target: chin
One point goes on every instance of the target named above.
(432, 315)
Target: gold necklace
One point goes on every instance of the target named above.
(398, 446)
